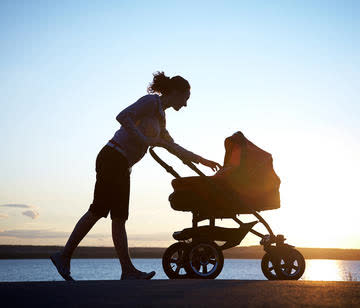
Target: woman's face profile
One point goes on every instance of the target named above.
(179, 99)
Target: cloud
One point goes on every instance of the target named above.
(24, 206)
(2, 215)
(31, 213)
(24, 233)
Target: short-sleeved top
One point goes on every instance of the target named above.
(133, 143)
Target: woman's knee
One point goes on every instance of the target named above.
(94, 215)
(118, 220)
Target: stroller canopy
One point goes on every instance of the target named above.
(249, 168)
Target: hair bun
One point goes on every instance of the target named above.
(163, 84)
(160, 83)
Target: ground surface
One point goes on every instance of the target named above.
(180, 293)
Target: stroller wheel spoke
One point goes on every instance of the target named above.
(213, 262)
(177, 270)
(205, 269)
(173, 260)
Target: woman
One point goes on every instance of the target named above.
(114, 162)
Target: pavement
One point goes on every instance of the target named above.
(180, 293)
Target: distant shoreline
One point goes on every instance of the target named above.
(248, 252)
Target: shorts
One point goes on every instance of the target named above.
(112, 187)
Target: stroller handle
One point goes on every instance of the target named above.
(171, 169)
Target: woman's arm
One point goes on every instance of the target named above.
(145, 106)
(168, 143)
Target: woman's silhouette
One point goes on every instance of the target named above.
(142, 125)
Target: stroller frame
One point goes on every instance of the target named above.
(196, 245)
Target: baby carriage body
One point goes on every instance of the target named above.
(246, 184)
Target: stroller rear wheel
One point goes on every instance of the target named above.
(174, 259)
(205, 260)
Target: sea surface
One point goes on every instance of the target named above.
(109, 269)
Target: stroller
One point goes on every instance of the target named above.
(246, 184)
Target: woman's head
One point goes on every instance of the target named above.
(176, 89)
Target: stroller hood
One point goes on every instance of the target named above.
(250, 169)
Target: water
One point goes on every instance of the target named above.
(109, 269)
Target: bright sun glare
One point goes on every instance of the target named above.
(327, 270)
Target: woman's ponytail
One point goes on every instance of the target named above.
(163, 84)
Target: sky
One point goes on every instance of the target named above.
(285, 73)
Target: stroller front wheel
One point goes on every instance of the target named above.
(205, 260)
(292, 265)
(283, 264)
(269, 267)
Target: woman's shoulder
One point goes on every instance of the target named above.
(149, 98)
(147, 104)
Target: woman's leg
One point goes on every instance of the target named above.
(62, 259)
(121, 245)
(84, 225)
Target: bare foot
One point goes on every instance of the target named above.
(62, 264)
(137, 275)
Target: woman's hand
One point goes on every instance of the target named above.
(211, 164)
